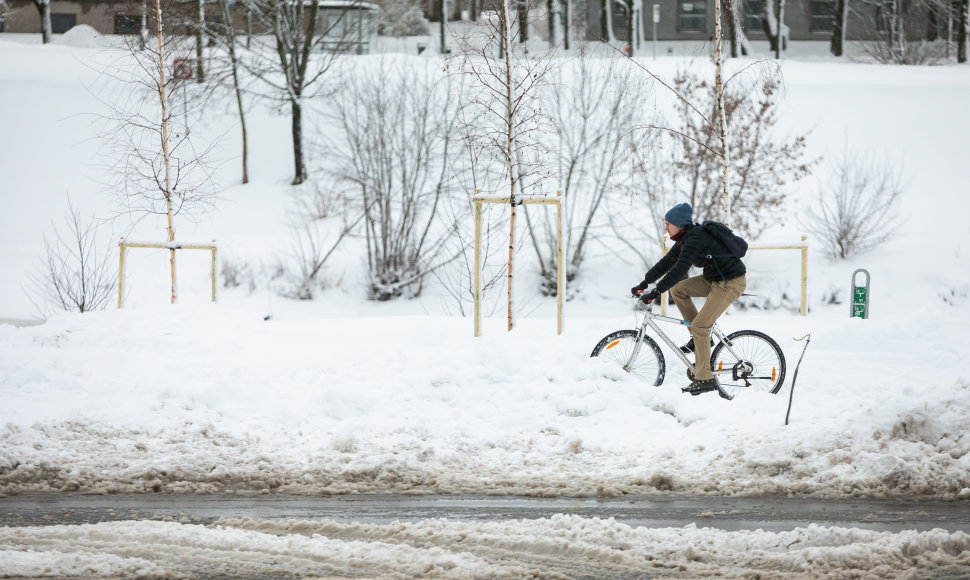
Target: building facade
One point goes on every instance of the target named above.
(599, 19)
(803, 19)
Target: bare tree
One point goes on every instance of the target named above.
(403, 18)
(44, 8)
(904, 32)
(397, 129)
(964, 30)
(740, 45)
(761, 163)
(840, 27)
(158, 169)
(312, 245)
(76, 273)
(225, 34)
(858, 209)
(302, 55)
(4, 11)
(773, 23)
(652, 190)
(593, 115)
(510, 118)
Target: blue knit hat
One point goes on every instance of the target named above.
(679, 215)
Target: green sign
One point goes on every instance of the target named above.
(860, 296)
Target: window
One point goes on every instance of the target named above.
(823, 16)
(127, 24)
(753, 10)
(884, 18)
(61, 23)
(693, 16)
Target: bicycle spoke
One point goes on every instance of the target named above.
(619, 347)
(758, 366)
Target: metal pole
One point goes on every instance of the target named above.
(478, 266)
(561, 278)
(213, 270)
(121, 270)
(663, 297)
(804, 308)
(656, 19)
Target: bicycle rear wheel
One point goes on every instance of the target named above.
(758, 366)
(618, 347)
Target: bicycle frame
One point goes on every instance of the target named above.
(649, 319)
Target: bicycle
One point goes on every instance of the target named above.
(745, 360)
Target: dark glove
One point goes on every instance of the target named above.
(638, 289)
(650, 296)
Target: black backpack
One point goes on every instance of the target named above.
(736, 245)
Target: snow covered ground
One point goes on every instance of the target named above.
(563, 546)
(340, 395)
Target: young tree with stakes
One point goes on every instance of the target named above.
(510, 86)
(152, 178)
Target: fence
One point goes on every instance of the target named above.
(124, 245)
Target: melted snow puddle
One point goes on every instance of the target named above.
(561, 546)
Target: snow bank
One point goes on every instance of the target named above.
(82, 36)
(343, 396)
(559, 547)
(206, 399)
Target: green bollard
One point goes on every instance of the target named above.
(859, 308)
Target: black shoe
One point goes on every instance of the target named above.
(706, 386)
(689, 347)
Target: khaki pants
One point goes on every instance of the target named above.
(719, 295)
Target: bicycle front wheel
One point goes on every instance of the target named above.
(618, 347)
(753, 362)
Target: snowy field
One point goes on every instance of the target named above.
(261, 394)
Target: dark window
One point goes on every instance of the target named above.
(621, 24)
(693, 16)
(753, 10)
(127, 24)
(61, 23)
(823, 15)
(884, 18)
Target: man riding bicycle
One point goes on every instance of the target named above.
(722, 282)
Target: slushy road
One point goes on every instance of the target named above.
(726, 513)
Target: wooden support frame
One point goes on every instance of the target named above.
(802, 247)
(524, 200)
(123, 250)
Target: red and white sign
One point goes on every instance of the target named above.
(182, 69)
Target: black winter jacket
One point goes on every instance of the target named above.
(693, 248)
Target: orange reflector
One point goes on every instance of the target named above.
(720, 366)
(612, 344)
(773, 370)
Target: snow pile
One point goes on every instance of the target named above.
(205, 399)
(559, 547)
(82, 36)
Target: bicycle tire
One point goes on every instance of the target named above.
(650, 365)
(761, 367)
